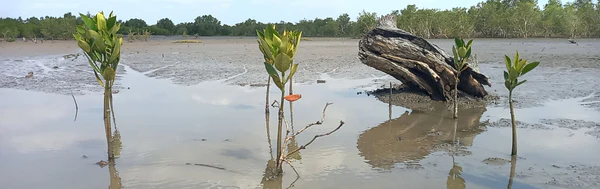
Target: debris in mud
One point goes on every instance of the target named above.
(503, 122)
(54, 67)
(205, 165)
(575, 125)
(321, 81)
(29, 75)
(495, 161)
(200, 139)
(585, 177)
(571, 123)
(102, 163)
(84, 156)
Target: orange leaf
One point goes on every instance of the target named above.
(293, 97)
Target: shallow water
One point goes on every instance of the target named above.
(164, 126)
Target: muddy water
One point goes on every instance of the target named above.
(164, 126)
(195, 106)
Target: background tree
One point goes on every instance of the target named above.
(166, 24)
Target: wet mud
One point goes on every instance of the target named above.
(215, 91)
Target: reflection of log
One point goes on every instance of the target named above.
(416, 62)
(413, 136)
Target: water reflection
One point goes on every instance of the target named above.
(414, 135)
(455, 181)
(513, 166)
(115, 179)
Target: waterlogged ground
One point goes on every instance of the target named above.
(200, 105)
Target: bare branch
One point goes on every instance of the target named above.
(273, 104)
(315, 123)
(76, 107)
(317, 136)
(293, 168)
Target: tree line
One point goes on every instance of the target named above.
(489, 19)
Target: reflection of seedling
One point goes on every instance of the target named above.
(515, 70)
(461, 52)
(97, 37)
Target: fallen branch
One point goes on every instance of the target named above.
(317, 136)
(283, 157)
(76, 107)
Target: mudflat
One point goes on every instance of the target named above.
(203, 104)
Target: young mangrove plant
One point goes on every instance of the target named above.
(98, 38)
(515, 69)
(279, 51)
(461, 52)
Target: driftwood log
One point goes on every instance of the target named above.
(416, 62)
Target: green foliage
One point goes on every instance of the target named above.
(278, 51)
(515, 69)
(490, 18)
(462, 52)
(98, 38)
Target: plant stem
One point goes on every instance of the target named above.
(514, 124)
(107, 127)
(279, 129)
(456, 98)
(267, 98)
(291, 110)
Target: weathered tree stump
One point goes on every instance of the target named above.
(416, 62)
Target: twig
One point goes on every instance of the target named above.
(315, 123)
(317, 136)
(297, 178)
(293, 168)
(273, 104)
(76, 107)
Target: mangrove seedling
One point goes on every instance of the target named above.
(515, 69)
(98, 39)
(278, 51)
(461, 52)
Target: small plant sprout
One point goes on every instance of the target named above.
(98, 38)
(515, 69)
(461, 52)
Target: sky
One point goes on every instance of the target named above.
(227, 11)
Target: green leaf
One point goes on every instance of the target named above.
(454, 52)
(80, 30)
(462, 52)
(529, 67)
(468, 53)
(98, 78)
(508, 62)
(508, 85)
(278, 83)
(100, 22)
(294, 68)
(522, 63)
(109, 74)
(513, 74)
(88, 22)
(458, 42)
(520, 83)
(84, 46)
(469, 44)
(111, 22)
(116, 53)
(506, 76)
(284, 44)
(270, 69)
(115, 28)
(516, 59)
(282, 62)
